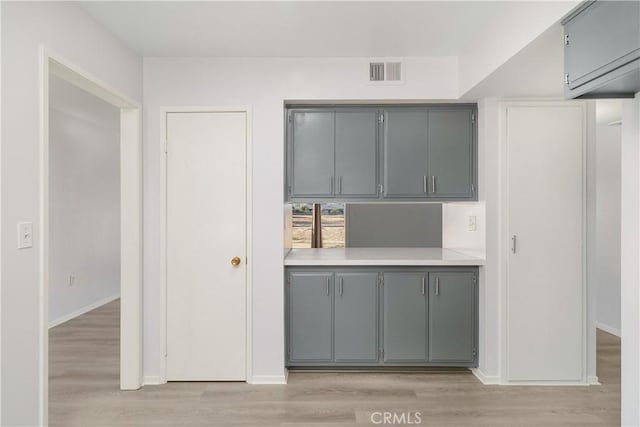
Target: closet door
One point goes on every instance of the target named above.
(545, 285)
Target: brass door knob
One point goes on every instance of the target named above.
(235, 261)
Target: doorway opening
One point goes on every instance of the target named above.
(90, 222)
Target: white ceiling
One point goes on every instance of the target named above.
(303, 29)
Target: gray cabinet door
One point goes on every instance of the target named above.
(450, 153)
(356, 317)
(313, 150)
(356, 153)
(310, 316)
(451, 317)
(405, 153)
(602, 37)
(405, 317)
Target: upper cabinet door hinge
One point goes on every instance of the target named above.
(473, 188)
(566, 79)
(473, 117)
(566, 39)
(381, 118)
(290, 117)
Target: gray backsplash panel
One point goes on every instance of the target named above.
(393, 225)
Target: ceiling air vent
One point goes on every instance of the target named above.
(386, 71)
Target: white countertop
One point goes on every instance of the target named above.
(383, 256)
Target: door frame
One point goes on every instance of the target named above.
(130, 219)
(505, 244)
(164, 111)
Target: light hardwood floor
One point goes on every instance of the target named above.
(83, 391)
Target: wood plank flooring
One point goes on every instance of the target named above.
(83, 391)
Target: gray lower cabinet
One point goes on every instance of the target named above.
(348, 316)
(310, 316)
(452, 317)
(356, 317)
(405, 317)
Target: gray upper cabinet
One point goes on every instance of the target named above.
(450, 154)
(405, 321)
(405, 153)
(451, 317)
(310, 316)
(356, 317)
(602, 50)
(356, 153)
(412, 152)
(313, 152)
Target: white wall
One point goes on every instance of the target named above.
(67, 30)
(630, 262)
(607, 239)
(455, 226)
(513, 31)
(84, 201)
(262, 84)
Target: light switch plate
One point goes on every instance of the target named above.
(25, 235)
(472, 223)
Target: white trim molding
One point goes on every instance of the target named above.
(485, 379)
(269, 379)
(249, 236)
(87, 308)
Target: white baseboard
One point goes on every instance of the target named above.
(609, 329)
(269, 379)
(485, 379)
(593, 380)
(153, 380)
(87, 308)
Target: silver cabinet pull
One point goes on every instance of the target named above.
(328, 285)
(433, 184)
(437, 286)
(513, 244)
(424, 183)
(331, 184)
(423, 286)
(341, 283)
(339, 184)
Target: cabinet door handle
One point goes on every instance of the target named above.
(424, 183)
(513, 244)
(423, 286)
(328, 285)
(331, 185)
(433, 184)
(437, 286)
(339, 184)
(341, 283)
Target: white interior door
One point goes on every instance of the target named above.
(206, 229)
(545, 292)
